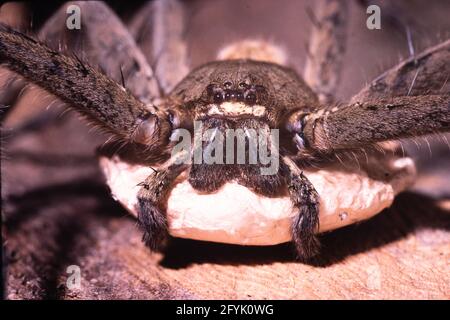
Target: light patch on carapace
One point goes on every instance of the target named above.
(236, 109)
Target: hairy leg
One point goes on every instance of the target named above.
(408, 100)
(377, 120)
(425, 73)
(326, 47)
(116, 55)
(151, 201)
(159, 30)
(100, 99)
(306, 223)
(104, 41)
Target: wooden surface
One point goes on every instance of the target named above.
(57, 211)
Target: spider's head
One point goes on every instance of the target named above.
(235, 100)
(241, 89)
(247, 94)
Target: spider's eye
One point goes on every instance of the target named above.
(250, 98)
(230, 95)
(243, 85)
(227, 84)
(218, 97)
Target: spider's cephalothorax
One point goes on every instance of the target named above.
(238, 94)
(241, 94)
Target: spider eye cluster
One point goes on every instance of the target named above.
(230, 92)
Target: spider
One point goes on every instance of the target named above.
(144, 106)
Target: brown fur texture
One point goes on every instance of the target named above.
(117, 54)
(408, 100)
(425, 73)
(283, 90)
(363, 124)
(90, 92)
(151, 198)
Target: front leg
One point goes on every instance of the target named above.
(104, 41)
(151, 204)
(306, 222)
(94, 95)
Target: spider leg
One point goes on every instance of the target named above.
(13, 14)
(326, 47)
(306, 200)
(408, 100)
(377, 120)
(116, 54)
(425, 73)
(100, 99)
(151, 199)
(104, 41)
(159, 30)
